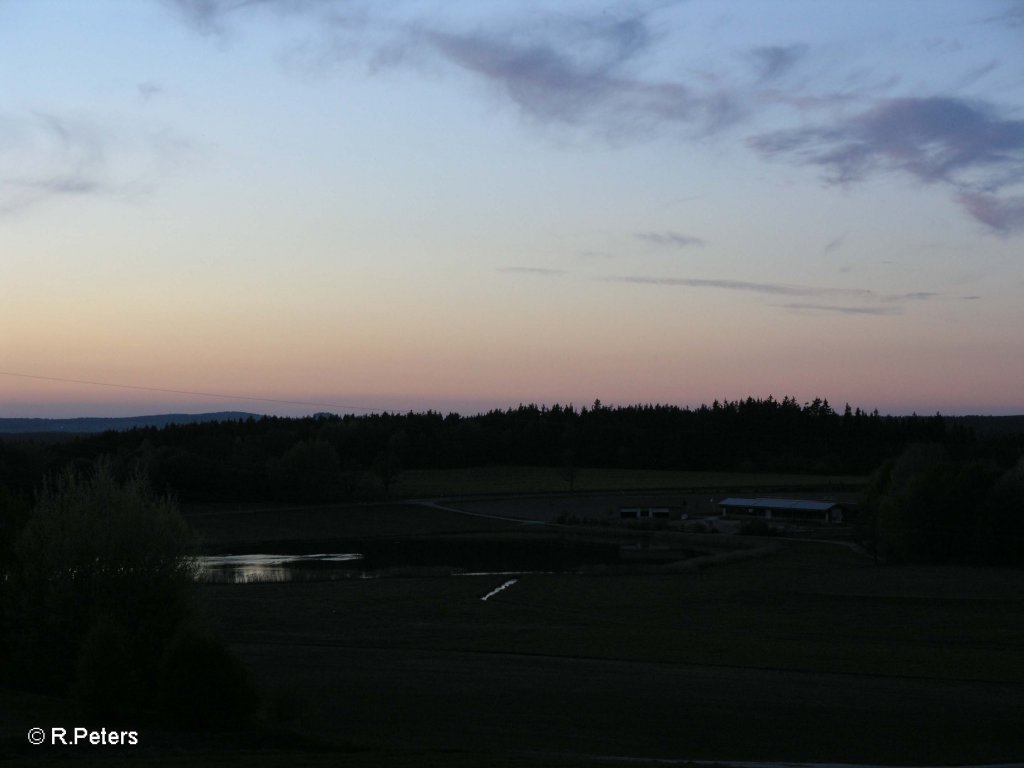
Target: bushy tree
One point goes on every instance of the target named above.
(1001, 534)
(928, 507)
(201, 684)
(101, 573)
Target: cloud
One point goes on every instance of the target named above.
(45, 156)
(833, 245)
(967, 145)
(207, 15)
(588, 69)
(978, 73)
(774, 289)
(1003, 215)
(873, 304)
(585, 69)
(773, 61)
(918, 296)
(933, 139)
(542, 271)
(149, 89)
(845, 310)
(672, 239)
(1013, 16)
(583, 72)
(596, 71)
(49, 155)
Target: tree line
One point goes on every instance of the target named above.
(333, 458)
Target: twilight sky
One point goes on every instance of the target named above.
(459, 206)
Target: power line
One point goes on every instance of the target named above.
(337, 406)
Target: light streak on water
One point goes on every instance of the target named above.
(493, 592)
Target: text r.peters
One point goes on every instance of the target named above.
(102, 736)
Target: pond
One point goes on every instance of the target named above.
(436, 555)
(258, 568)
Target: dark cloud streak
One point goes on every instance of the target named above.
(596, 89)
(1003, 215)
(833, 245)
(539, 271)
(967, 145)
(589, 71)
(845, 310)
(773, 289)
(671, 239)
(773, 61)
(874, 304)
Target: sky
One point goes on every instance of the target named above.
(292, 206)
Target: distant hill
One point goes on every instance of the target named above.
(87, 425)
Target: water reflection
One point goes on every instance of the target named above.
(260, 568)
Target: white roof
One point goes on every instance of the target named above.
(819, 506)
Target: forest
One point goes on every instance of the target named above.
(326, 457)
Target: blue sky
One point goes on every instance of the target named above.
(460, 206)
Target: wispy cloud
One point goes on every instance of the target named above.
(845, 310)
(967, 145)
(1005, 215)
(773, 289)
(582, 73)
(47, 156)
(540, 271)
(914, 296)
(1012, 16)
(833, 245)
(208, 16)
(582, 68)
(596, 72)
(149, 89)
(773, 61)
(863, 301)
(670, 239)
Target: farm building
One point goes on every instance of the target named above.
(645, 513)
(787, 509)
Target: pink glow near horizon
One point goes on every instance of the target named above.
(438, 207)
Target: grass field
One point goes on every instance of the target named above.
(812, 653)
(417, 483)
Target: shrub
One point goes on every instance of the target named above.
(107, 680)
(202, 685)
(95, 558)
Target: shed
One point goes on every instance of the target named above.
(641, 513)
(790, 509)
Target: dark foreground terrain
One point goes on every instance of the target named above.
(805, 651)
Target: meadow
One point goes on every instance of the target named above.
(780, 649)
(810, 653)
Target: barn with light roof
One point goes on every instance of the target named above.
(783, 509)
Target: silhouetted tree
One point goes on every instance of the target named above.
(94, 559)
